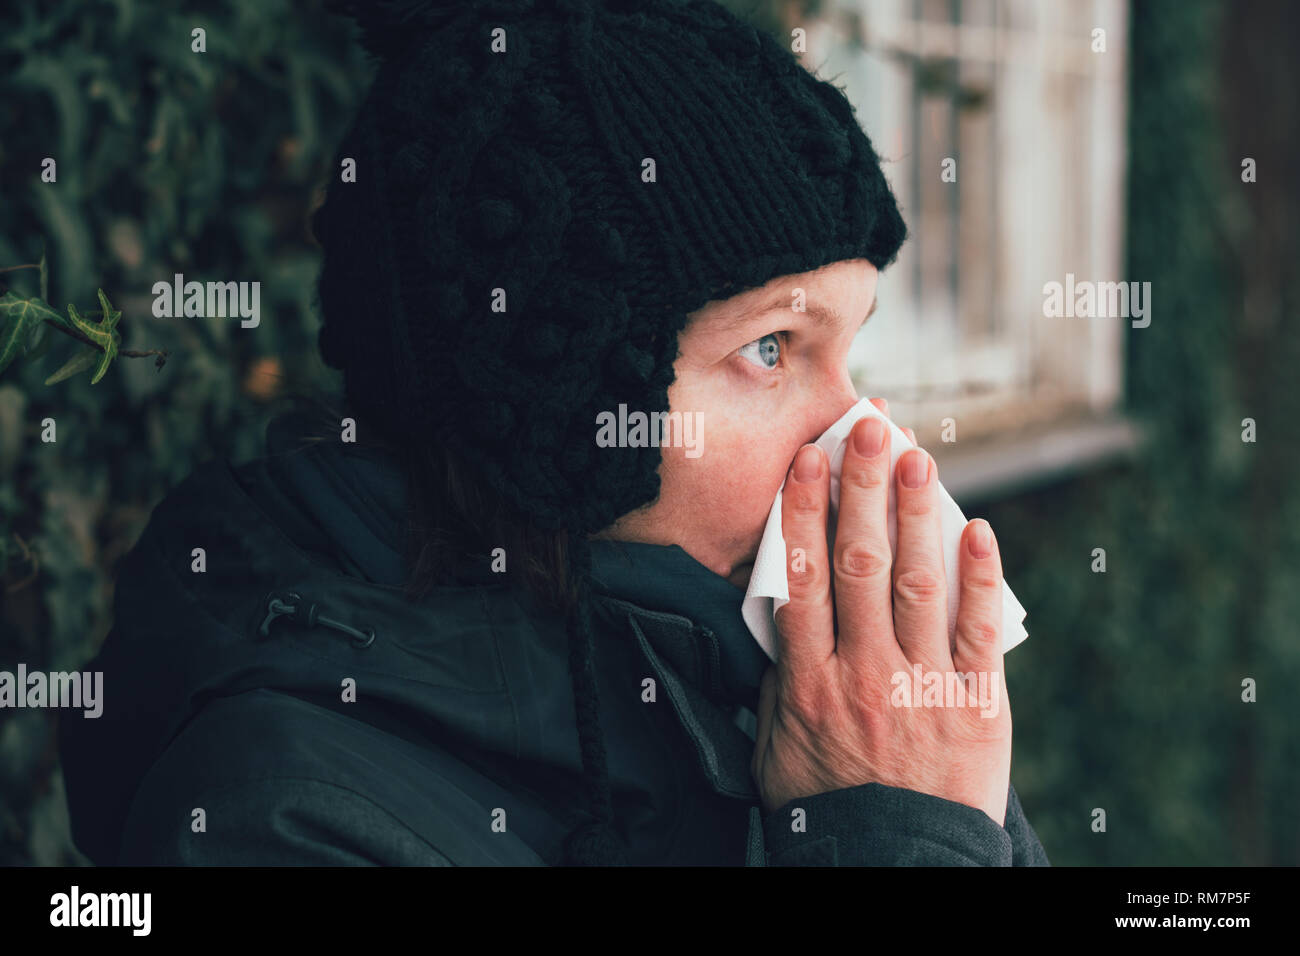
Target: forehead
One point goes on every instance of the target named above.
(825, 293)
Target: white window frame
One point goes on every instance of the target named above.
(1030, 396)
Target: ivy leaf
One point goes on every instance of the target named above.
(42, 346)
(111, 315)
(45, 275)
(78, 363)
(110, 353)
(18, 319)
(96, 333)
(102, 334)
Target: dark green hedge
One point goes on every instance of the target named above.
(1128, 695)
(168, 161)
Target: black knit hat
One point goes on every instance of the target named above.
(544, 190)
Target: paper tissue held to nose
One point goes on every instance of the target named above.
(769, 587)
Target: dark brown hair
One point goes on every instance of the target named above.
(452, 518)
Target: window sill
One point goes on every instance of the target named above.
(1001, 465)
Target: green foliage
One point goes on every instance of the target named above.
(168, 161)
(19, 321)
(21, 318)
(1128, 696)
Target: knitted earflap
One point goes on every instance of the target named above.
(594, 843)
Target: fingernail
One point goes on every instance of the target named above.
(808, 464)
(869, 439)
(916, 468)
(980, 541)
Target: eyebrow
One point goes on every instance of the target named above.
(820, 314)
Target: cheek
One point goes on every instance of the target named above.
(729, 488)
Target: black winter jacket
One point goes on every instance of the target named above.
(286, 705)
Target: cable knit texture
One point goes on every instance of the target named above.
(522, 171)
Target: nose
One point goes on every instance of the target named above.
(839, 396)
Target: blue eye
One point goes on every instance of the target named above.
(767, 350)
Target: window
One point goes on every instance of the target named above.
(1033, 119)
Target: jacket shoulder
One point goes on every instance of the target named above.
(269, 778)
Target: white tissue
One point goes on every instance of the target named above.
(769, 588)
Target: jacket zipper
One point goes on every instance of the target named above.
(709, 657)
(290, 604)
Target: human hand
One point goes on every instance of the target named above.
(827, 718)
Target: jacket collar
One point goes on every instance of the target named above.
(709, 644)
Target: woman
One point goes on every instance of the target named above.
(460, 626)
